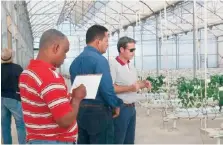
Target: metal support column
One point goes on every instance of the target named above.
(141, 30)
(70, 29)
(79, 46)
(157, 47)
(118, 34)
(134, 39)
(199, 64)
(205, 54)
(217, 51)
(194, 39)
(108, 54)
(160, 45)
(177, 52)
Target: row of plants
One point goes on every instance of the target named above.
(191, 92)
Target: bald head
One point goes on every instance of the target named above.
(53, 47)
(49, 37)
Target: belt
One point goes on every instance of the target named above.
(92, 105)
(129, 105)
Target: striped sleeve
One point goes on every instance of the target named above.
(55, 96)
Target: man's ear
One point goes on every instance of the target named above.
(97, 41)
(122, 49)
(55, 48)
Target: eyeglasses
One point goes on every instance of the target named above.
(132, 49)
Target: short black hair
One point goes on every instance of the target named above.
(49, 37)
(123, 41)
(94, 32)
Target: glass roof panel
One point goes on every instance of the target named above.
(43, 15)
(117, 14)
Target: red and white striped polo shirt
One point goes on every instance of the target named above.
(44, 99)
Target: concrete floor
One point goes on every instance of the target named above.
(149, 130)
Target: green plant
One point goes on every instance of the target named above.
(190, 92)
(157, 83)
(184, 92)
(214, 91)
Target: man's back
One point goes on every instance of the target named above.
(10, 73)
(90, 61)
(85, 63)
(10, 98)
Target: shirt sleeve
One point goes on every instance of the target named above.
(18, 71)
(113, 71)
(106, 88)
(54, 93)
(72, 76)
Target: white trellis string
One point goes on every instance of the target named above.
(120, 22)
(139, 17)
(136, 19)
(196, 32)
(161, 29)
(165, 50)
(205, 53)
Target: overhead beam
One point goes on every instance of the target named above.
(148, 16)
(190, 30)
(45, 14)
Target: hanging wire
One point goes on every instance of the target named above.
(205, 48)
(166, 51)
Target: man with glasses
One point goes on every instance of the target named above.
(126, 86)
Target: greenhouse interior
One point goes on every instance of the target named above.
(178, 49)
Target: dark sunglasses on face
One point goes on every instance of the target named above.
(132, 49)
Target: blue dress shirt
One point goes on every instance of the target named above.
(91, 61)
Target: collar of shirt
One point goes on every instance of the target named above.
(90, 48)
(121, 62)
(42, 64)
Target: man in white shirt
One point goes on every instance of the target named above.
(126, 85)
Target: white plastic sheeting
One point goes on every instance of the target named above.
(117, 14)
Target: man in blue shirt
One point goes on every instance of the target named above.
(95, 117)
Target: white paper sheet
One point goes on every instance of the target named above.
(91, 82)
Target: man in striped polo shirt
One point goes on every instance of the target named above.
(125, 82)
(49, 112)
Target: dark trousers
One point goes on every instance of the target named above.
(11, 107)
(95, 125)
(124, 126)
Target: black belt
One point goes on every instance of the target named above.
(129, 105)
(92, 105)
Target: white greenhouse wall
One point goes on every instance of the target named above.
(16, 31)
